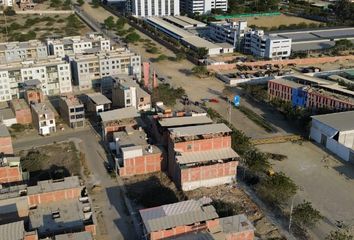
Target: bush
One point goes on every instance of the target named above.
(152, 50)
(132, 37)
(17, 127)
(304, 215)
(9, 11)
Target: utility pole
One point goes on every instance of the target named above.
(291, 213)
(229, 118)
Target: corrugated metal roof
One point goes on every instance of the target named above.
(342, 121)
(12, 231)
(236, 223)
(203, 156)
(184, 121)
(99, 98)
(4, 132)
(193, 236)
(74, 236)
(199, 130)
(119, 114)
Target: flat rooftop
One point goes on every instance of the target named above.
(235, 224)
(199, 42)
(119, 114)
(287, 83)
(74, 236)
(95, 56)
(6, 114)
(54, 185)
(71, 100)
(20, 45)
(206, 156)
(48, 61)
(170, 27)
(12, 231)
(178, 22)
(19, 104)
(342, 121)
(200, 130)
(98, 98)
(9, 161)
(131, 137)
(178, 214)
(12, 191)
(184, 121)
(4, 132)
(41, 108)
(190, 21)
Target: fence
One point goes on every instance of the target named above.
(266, 14)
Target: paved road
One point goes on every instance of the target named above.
(109, 200)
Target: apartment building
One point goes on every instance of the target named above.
(261, 45)
(72, 111)
(53, 75)
(69, 46)
(135, 155)
(231, 32)
(22, 51)
(97, 103)
(149, 8)
(126, 92)
(10, 170)
(203, 6)
(5, 140)
(22, 111)
(201, 156)
(88, 69)
(43, 119)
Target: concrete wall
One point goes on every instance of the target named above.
(6, 145)
(347, 138)
(24, 116)
(10, 175)
(142, 165)
(55, 196)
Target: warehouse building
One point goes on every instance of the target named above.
(335, 132)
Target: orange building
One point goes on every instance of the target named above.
(10, 170)
(34, 95)
(22, 111)
(5, 140)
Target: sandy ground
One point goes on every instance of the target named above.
(100, 14)
(323, 179)
(275, 21)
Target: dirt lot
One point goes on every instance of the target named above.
(323, 179)
(276, 21)
(42, 26)
(51, 161)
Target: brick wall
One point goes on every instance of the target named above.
(54, 196)
(31, 236)
(142, 165)
(245, 235)
(24, 116)
(10, 175)
(110, 129)
(204, 144)
(279, 91)
(6, 145)
(91, 228)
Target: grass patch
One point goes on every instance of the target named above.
(257, 119)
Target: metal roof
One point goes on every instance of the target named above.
(4, 132)
(178, 22)
(235, 224)
(6, 113)
(190, 21)
(119, 114)
(54, 185)
(99, 98)
(342, 121)
(184, 121)
(194, 236)
(170, 27)
(12, 231)
(299, 47)
(287, 83)
(177, 214)
(74, 236)
(199, 42)
(199, 130)
(204, 156)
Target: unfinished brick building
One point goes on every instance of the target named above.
(22, 111)
(5, 140)
(34, 95)
(10, 170)
(201, 156)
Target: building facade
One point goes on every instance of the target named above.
(10, 170)
(228, 31)
(72, 111)
(5, 140)
(22, 51)
(90, 68)
(203, 6)
(43, 119)
(22, 111)
(148, 8)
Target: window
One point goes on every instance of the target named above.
(141, 99)
(51, 121)
(72, 110)
(189, 147)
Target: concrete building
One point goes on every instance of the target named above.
(97, 103)
(231, 32)
(118, 120)
(203, 6)
(185, 22)
(266, 46)
(16, 231)
(88, 69)
(126, 92)
(74, 236)
(179, 218)
(135, 155)
(69, 46)
(53, 74)
(22, 111)
(201, 156)
(7, 117)
(33, 95)
(5, 140)
(10, 170)
(148, 8)
(43, 119)
(72, 111)
(335, 132)
(22, 51)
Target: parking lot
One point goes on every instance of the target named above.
(324, 180)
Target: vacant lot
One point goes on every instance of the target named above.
(27, 27)
(276, 21)
(51, 161)
(324, 180)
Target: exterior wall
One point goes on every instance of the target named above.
(13, 208)
(318, 100)
(207, 176)
(44, 126)
(204, 144)
(91, 229)
(148, 8)
(31, 236)
(180, 230)
(34, 96)
(142, 165)
(347, 138)
(203, 6)
(6, 145)
(73, 116)
(298, 97)
(54, 196)
(279, 91)
(245, 235)
(143, 103)
(10, 174)
(24, 116)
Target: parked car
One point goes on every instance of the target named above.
(214, 100)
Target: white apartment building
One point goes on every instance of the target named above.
(203, 6)
(92, 42)
(88, 69)
(266, 46)
(6, 3)
(21, 51)
(43, 119)
(149, 8)
(231, 32)
(53, 74)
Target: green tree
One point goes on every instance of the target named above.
(109, 23)
(202, 52)
(132, 37)
(120, 23)
(340, 234)
(256, 161)
(344, 10)
(9, 11)
(304, 215)
(95, 3)
(343, 44)
(80, 2)
(180, 56)
(200, 71)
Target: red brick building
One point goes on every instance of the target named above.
(34, 95)
(135, 155)
(10, 170)
(201, 156)
(22, 111)
(5, 140)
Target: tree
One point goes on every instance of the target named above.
(344, 10)
(109, 23)
(180, 56)
(340, 234)
(95, 3)
(132, 37)
(200, 70)
(9, 11)
(343, 44)
(202, 52)
(277, 189)
(304, 215)
(256, 161)
(80, 2)
(120, 23)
